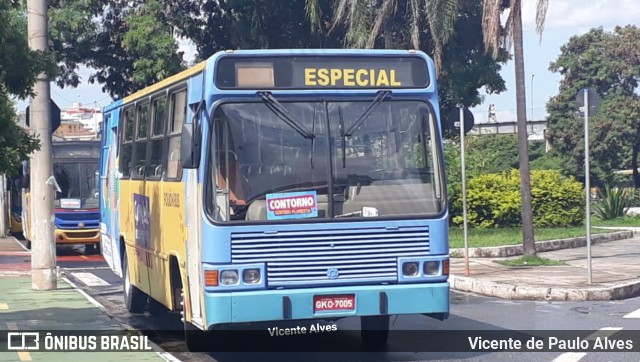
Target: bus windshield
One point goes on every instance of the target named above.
(375, 161)
(77, 182)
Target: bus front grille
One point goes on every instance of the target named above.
(323, 257)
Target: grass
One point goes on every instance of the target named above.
(529, 261)
(632, 221)
(513, 236)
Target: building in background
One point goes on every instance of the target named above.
(76, 123)
(89, 117)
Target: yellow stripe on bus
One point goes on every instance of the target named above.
(165, 83)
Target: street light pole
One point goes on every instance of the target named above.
(532, 76)
(43, 247)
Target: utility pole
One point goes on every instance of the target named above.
(4, 207)
(43, 247)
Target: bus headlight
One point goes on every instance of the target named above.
(410, 269)
(251, 276)
(229, 277)
(431, 267)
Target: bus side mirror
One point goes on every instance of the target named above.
(190, 146)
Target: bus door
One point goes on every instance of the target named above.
(141, 199)
(158, 200)
(109, 194)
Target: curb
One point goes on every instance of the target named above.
(541, 246)
(126, 326)
(521, 292)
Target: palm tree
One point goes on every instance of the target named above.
(368, 20)
(495, 38)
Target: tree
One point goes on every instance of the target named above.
(128, 44)
(458, 49)
(495, 37)
(391, 20)
(19, 67)
(215, 25)
(610, 63)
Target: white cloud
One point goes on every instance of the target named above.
(584, 14)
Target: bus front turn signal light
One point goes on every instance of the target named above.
(211, 278)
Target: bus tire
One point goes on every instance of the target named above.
(374, 330)
(196, 339)
(91, 249)
(134, 299)
(156, 308)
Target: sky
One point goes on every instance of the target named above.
(565, 18)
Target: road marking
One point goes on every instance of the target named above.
(89, 298)
(23, 355)
(634, 314)
(168, 357)
(89, 268)
(90, 279)
(609, 332)
(4, 306)
(84, 257)
(570, 357)
(577, 356)
(21, 245)
(14, 253)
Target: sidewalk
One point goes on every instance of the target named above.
(615, 272)
(24, 309)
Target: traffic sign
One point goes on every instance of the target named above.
(55, 116)
(453, 120)
(593, 101)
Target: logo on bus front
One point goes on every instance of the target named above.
(333, 273)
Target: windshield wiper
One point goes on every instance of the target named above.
(381, 96)
(279, 110)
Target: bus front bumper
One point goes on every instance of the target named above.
(294, 304)
(82, 236)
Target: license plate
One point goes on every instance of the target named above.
(334, 302)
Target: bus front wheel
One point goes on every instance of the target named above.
(134, 299)
(374, 330)
(196, 339)
(91, 249)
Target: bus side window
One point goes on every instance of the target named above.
(126, 150)
(178, 113)
(155, 151)
(140, 145)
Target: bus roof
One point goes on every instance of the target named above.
(213, 60)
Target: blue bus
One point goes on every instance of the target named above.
(309, 183)
(76, 205)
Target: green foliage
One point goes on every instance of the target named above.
(492, 153)
(529, 260)
(15, 143)
(129, 44)
(610, 63)
(19, 67)
(557, 200)
(493, 200)
(611, 204)
(153, 39)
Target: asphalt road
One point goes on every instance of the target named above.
(468, 312)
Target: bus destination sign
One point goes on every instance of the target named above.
(313, 72)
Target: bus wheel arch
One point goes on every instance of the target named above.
(176, 283)
(135, 300)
